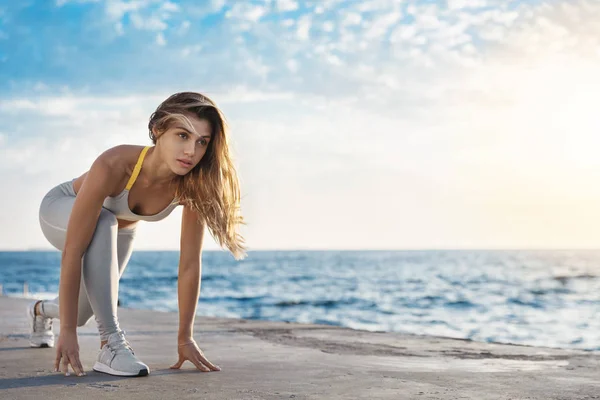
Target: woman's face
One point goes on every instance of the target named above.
(181, 149)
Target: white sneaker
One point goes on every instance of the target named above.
(41, 328)
(116, 358)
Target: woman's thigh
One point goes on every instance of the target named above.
(54, 213)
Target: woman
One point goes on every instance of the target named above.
(92, 219)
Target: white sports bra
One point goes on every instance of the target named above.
(119, 204)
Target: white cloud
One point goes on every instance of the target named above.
(286, 5)
(352, 18)
(71, 107)
(116, 9)
(217, 5)
(303, 28)
(292, 65)
(257, 66)
(256, 13)
(478, 125)
(334, 60)
(189, 50)
(143, 14)
(381, 25)
(328, 26)
(119, 28)
(169, 6)
(243, 94)
(151, 23)
(460, 4)
(492, 33)
(246, 12)
(60, 3)
(12, 106)
(184, 27)
(160, 39)
(403, 33)
(288, 22)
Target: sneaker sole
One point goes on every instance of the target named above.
(99, 367)
(41, 345)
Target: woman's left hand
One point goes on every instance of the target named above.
(191, 352)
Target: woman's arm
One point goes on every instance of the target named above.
(188, 290)
(80, 229)
(190, 272)
(98, 184)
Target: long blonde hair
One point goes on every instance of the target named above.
(212, 186)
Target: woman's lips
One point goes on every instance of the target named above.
(184, 163)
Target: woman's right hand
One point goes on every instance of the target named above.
(68, 350)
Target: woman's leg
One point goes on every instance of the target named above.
(103, 263)
(50, 309)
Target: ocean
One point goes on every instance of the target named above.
(542, 298)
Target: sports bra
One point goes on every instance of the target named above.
(119, 204)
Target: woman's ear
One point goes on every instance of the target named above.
(155, 134)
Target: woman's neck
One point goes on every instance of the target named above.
(156, 172)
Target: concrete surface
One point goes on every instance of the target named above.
(277, 360)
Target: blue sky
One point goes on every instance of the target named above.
(119, 46)
(355, 124)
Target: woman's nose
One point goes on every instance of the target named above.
(190, 149)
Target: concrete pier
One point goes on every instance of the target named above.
(277, 360)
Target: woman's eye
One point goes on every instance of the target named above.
(202, 142)
(183, 135)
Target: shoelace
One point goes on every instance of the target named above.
(120, 345)
(42, 324)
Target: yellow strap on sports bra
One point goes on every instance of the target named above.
(137, 168)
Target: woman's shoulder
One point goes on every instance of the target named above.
(118, 162)
(121, 157)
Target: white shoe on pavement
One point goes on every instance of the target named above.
(41, 334)
(117, 358)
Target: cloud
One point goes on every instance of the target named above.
(293, 65)
(382, 24)
(286, 5)
(151, 15)
(119, 29)
(188, 50)
(243, 11)
(160, 39)
(151, 23)
(169, 6)
(184, 27)
(352, 18)
(303, 28)
(217, 5)
(460, 4)
(60, 3)
(117, 9)
(243, 94)
(474, 120)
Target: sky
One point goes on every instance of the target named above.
(407, 124)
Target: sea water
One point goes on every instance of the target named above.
(545, 298)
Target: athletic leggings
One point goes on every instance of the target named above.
(103, 262)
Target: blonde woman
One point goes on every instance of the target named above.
(92, 220)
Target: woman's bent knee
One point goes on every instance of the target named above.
(81, 321)
(107, 220)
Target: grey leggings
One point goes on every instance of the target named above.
(103, 262)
